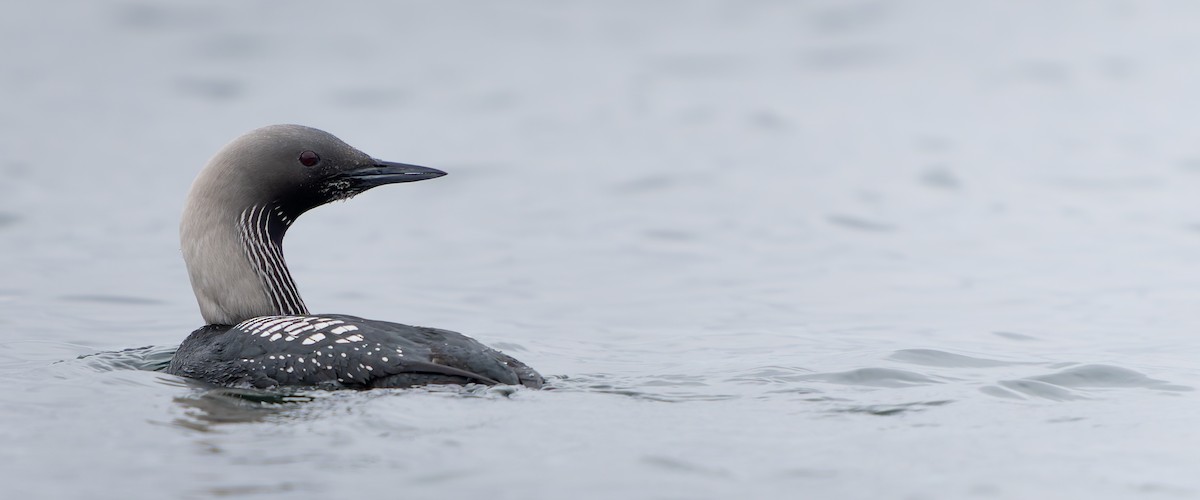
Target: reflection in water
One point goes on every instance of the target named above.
(209, 406)
(150, 358)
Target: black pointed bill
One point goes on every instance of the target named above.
(386, 172)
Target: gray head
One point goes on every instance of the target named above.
(243, 201)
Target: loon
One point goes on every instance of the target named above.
(259, 333)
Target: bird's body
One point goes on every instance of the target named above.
(259, 331)
(340, 351)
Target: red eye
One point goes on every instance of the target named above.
(309, 158)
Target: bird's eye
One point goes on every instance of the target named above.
(309, 158)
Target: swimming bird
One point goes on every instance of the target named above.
(259, 332)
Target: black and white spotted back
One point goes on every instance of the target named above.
(335, 351)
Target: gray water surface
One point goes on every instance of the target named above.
(761, 249)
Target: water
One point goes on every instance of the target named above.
(761, 249)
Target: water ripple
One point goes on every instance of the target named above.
(772, 375)
(875, 377)
(1074, 383)
(1100, 376)
(111, 299)
(887, 410)
(1014, 389)
(933, 357)
(149, 358)
(858, 223)
(667, 388)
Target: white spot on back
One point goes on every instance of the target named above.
(326, 324)
(314, 338)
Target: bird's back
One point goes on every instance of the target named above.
(340, 351)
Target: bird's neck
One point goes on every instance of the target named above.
(261, 229)
(235, 261)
